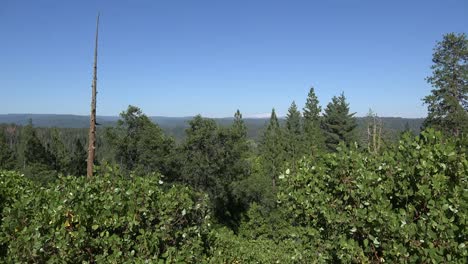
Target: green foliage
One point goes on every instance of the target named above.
(77, 164)
(34, 151)
(12, 187)
(110, 218)
(58, 152)
(314, 137)
(448, 101)
(272, 149)
(238, 149)
(338, 124)
(294, 135)
(140, 144)
(203, 156)
(214, 160)
(229, 248)
(255, 188)
(7, 158)
(37, 162)
(407, 205)
(374, 139)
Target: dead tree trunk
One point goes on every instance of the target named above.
(92, 124)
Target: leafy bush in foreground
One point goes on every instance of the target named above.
(109, 218)
(408, 205)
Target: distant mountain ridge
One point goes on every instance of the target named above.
(176, 126)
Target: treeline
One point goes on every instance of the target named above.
(307, 191)
(218, 160)
(176, 126)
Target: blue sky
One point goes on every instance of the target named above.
(181, 58)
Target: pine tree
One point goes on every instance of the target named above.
(448, 101)
(59, 152)
(34, 151)
(238, 126)
(314, 137)
(238, 148)
(293, 135)
(238, 168)
(77, 163)
(272, 149)
(207, 161)
(7, 159)
(36, 161)
(338, 124)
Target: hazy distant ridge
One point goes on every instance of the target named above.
(176, 125)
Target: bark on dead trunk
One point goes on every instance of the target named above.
(92, 124)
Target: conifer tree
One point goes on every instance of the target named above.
(294, 135)
(314, 137)
(34, 151)
(338, 124)
(447, 104)
(77, 163)
(272, 149)
(207, 162)
(7, 159)
(238, 169)
(238, 127)
(238, 148)
(58, 150)
(36, 161)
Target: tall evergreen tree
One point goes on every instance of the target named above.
(7, 159)
(36, 161)
(238, 167)
(60, 158)
(294, 135)
(314, 137)
(208, 164)
(201, 154)
(338, 124)
(34, 150)
(77, 163)
(448, 101)
(238, 148)
(238, 126)
(272, 149)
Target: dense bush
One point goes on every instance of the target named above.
(407, 205)
(109, 217)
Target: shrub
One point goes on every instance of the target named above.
(107, 218)
(407, 205)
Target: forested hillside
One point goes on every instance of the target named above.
(175, 126)
(319, 185)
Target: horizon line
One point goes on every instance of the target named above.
(252, 116)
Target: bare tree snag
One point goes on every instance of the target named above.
(92, 124)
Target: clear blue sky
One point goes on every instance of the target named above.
(180, 58)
